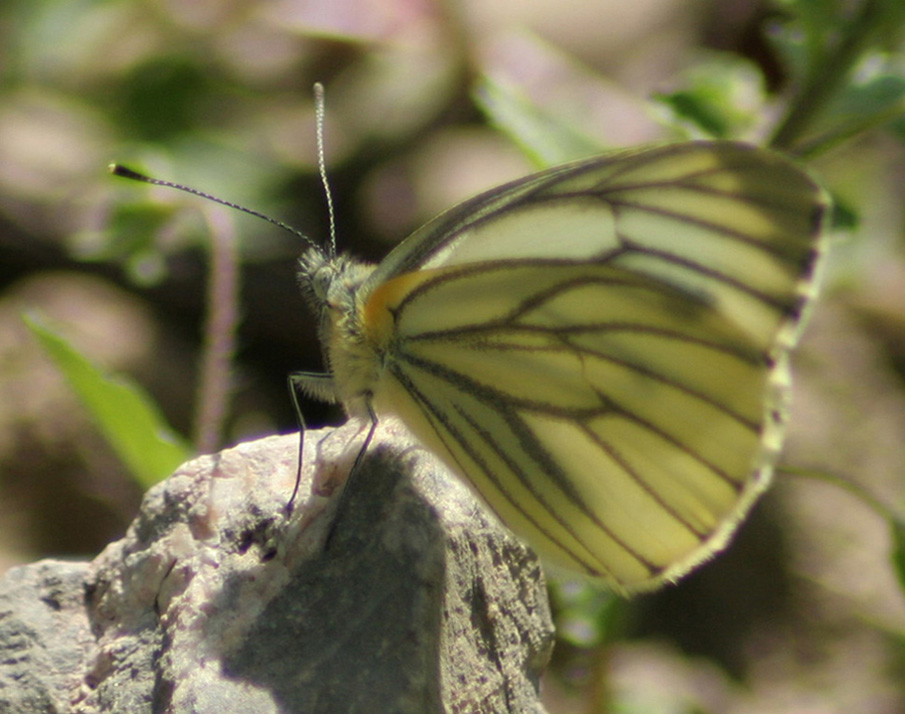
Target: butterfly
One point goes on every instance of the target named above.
(601, 349)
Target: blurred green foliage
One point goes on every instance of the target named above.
(123, 412)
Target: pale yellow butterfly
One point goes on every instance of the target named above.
(600, 348)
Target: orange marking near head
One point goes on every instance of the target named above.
(377, 318)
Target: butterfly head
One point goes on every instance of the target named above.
(332, 287)
(331, 283)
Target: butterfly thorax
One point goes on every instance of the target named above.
(332, 286)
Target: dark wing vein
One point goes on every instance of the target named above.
(458, 444)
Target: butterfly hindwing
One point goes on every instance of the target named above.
(601, 348)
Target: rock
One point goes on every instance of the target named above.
(217, 601)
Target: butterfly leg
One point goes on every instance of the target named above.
(292, 381)
(312, 384)
(347, 488)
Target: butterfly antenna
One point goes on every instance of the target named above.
(120, 170)
(322, 162)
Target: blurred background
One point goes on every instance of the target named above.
(805, 611)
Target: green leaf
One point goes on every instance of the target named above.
(124, 413)
(721, 96)
(846, 216)
(880, 97)
(898, 554)
(586, 614)
(539, 133)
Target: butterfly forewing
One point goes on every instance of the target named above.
(601, 348)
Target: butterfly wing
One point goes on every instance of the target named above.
(602, 348)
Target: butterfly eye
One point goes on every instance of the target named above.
(321, 283)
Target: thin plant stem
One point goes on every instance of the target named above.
(215, 383)
(838, 135)
(844, 484)
(829, 73)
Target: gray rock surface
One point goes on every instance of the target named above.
(215, 601)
